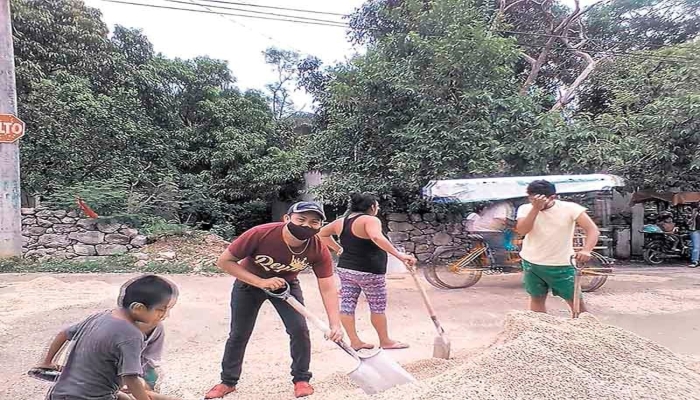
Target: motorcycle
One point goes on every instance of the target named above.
(661, 246)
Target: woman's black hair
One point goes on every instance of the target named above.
(149, 290)
(362, 202)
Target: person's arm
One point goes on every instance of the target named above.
(326, 235)
(229, 263)
(525, 224)
(135, 386)
(592, 234)
(373, 227)
(129, 367)
(329, 295)
(54, 348)
(238, 250)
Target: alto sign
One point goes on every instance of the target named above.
(11, 128)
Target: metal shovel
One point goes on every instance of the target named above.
(441, 344)
(374, 373)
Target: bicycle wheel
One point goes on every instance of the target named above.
(431, 277)
(591, 283)
(461, 273)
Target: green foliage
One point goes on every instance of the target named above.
(137, 134)
(172, 143)
(106, 197)
(421, 104)
(653, 111)
(159, 228)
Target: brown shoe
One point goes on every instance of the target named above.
(303, 389)
(219, 391)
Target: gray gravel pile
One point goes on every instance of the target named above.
(538, 356)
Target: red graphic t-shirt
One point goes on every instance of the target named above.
(263, 252)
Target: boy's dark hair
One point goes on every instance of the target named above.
(361, 202)
(542, 187)
(149, 290)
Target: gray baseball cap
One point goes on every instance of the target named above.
(307, 206)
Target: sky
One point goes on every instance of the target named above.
(238, 40)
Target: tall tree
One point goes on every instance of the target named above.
(420, 104)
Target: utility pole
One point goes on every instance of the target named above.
(10, 195)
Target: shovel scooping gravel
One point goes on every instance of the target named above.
(374, 373)
(441, 344)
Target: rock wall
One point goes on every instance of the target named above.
(60, 234)
(427, 234)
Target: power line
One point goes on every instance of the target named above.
(286, 45)
(277, 8)
(320, 22)
(259, 12)
(330, 23)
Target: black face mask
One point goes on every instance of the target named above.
(301, 232)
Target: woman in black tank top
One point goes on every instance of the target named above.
(363, 252)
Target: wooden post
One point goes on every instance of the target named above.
(637, 226)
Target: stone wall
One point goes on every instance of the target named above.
(60, 234)
(427, 234)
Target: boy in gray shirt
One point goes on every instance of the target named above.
(108, 346)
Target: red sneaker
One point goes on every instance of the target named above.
(219, 391)
(303, 389)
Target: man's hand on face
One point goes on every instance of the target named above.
(539, 202)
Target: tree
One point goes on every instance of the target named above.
(169, 137)
(654, 109)
(420, 104)
(559, 40)
(284, 64)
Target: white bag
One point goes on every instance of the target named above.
(394, 266)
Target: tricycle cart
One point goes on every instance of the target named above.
(458, 267)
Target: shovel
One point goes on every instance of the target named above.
(577, 288)
(374, 373)
(441, 344)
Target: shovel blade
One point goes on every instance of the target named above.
(441, 347)
(378, 372)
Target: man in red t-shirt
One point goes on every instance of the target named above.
(269, 256)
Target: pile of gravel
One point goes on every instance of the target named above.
(539, 356)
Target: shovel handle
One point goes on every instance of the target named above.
(426, 300)
(322, 326)
(577, 288)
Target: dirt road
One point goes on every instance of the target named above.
(662, 304)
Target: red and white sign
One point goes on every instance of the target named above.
(11, 128)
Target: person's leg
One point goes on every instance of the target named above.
(695, 254)
(496, 242)
(374, 287)
(246, 301)
(538, 304)
(535, 286)
(349, 294)
(298, 331)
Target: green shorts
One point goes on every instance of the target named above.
(150, 376)
(539, 279)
